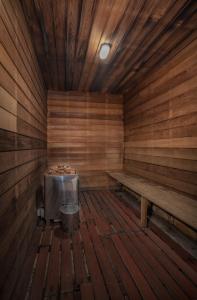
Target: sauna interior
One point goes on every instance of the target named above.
(105, 92)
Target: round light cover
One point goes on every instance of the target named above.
(104, 50)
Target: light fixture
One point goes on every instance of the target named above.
(104, 50)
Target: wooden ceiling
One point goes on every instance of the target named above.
(67, 35)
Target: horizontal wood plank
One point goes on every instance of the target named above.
(22, 145)
(86, 130)
(176, 204)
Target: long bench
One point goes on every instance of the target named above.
(174, 203)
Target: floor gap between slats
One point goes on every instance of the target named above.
(109, 257)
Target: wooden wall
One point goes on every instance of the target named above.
(86, 130)
(22, 142)
(161, 124)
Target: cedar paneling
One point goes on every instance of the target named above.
(86, 130)
(68, 36)
(22, 142)
(160, 124)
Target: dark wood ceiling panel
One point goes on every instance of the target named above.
(45, 11)
(157, 47)
(88, 10)
(59, 17)
(67, 35)
(98, 30)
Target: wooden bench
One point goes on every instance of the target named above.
(174, 203)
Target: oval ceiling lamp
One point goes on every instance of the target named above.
(104, 50)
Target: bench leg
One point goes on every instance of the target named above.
(144, 210)
(121, 188)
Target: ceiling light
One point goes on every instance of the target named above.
(104, 50)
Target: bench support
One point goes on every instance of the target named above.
(144, 211)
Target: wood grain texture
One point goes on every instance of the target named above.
(22, 142)
(143, 34)
(86, 131)
(109, 257)
(176, 204)
(160, 124)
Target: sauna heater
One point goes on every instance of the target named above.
(61, 195)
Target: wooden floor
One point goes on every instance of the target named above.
(110, 257)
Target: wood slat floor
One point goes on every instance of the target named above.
(109, 257)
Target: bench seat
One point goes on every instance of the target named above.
(176, 204)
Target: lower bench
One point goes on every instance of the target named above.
(176, 204)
